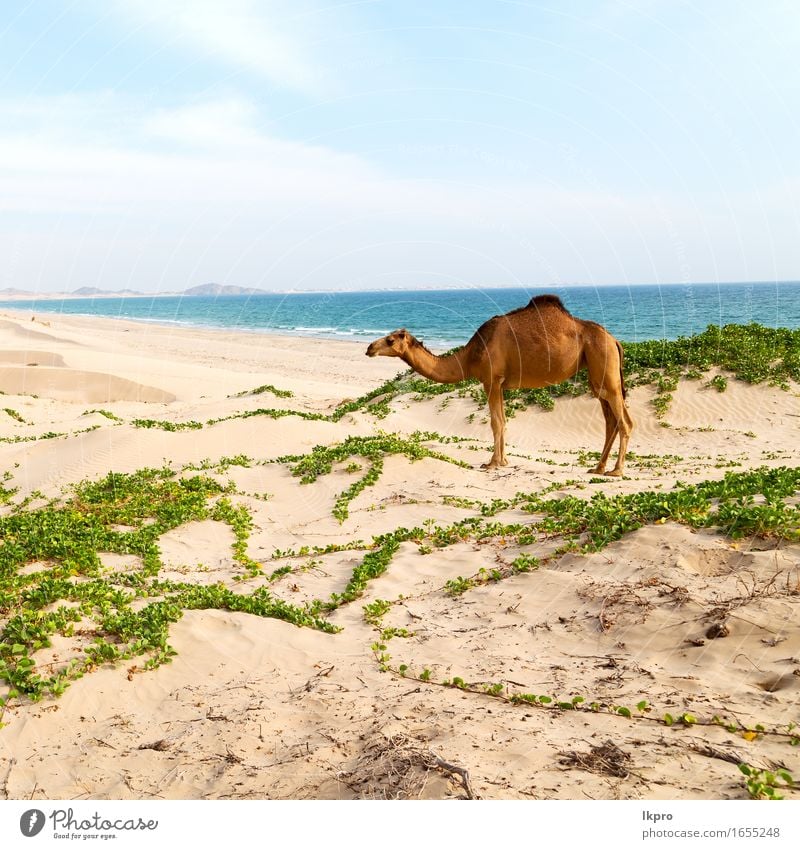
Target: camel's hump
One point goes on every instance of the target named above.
(548, 301)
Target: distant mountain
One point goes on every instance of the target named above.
(93, 290)
(217, 289)
(10, 291)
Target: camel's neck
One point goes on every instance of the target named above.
(450, 368)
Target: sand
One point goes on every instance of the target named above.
(258, 708)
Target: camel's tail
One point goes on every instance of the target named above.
(621, 372)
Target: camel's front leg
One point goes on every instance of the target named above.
(497, 416)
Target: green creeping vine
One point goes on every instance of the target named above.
(74, 596)
(523, 563)
(7, 494)
(727, 505)
(106, 413)
(763, 784)
(260, 390)
(15, 415)
(643, 712)
(50, 434)
(308, 467)
(127, 513)
(241, 523)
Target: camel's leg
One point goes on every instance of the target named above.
(497, 416)
(619, 411)
(605, 377)
(612, 428)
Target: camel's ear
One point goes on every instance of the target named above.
(402, 333)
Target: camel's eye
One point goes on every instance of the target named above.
(390, 342)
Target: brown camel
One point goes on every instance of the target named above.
(537, 345)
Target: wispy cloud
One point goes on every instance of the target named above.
(267, 37)
(111, 192)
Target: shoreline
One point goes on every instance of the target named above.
(127, 324)
(442, 319)
(28, 314)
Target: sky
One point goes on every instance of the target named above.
(305, 145)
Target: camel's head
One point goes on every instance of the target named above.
(394, 345)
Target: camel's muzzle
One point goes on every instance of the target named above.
(371, 349)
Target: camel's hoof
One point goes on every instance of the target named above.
(504, 462)
(488, 466)
(614, 473)
(597, 470)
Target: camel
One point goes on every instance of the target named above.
(534, 346)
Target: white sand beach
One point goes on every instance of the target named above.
(258, 708)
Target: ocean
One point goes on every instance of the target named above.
(446, 318)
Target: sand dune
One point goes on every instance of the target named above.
(31, 358)
(84, 387)
(18, 330)
(254, 707)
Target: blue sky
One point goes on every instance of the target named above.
(309, 145)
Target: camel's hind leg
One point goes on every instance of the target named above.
(612, 429)
(603, 359)
(497, 415)
(624, 424)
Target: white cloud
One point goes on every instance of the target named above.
(161, 199)
(227, 123)
(268, 38)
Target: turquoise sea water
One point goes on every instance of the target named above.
(446, 318)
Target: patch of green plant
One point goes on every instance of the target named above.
(170, 427)
(458, 586)
(260, 390)
(719, 382)
(271, 413)
(220, 466)
(374, 612)
(14, 415)
(241, 523)
(352, 405)
(751, 352)
(652, 461)
(727, 505)
(380, 409)
(320, 461)
(374, 563)
(121, 514)
(12, 440)
(383, 657)
(764, 784)
(105, 413)
(7, 494)
(525, 563)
